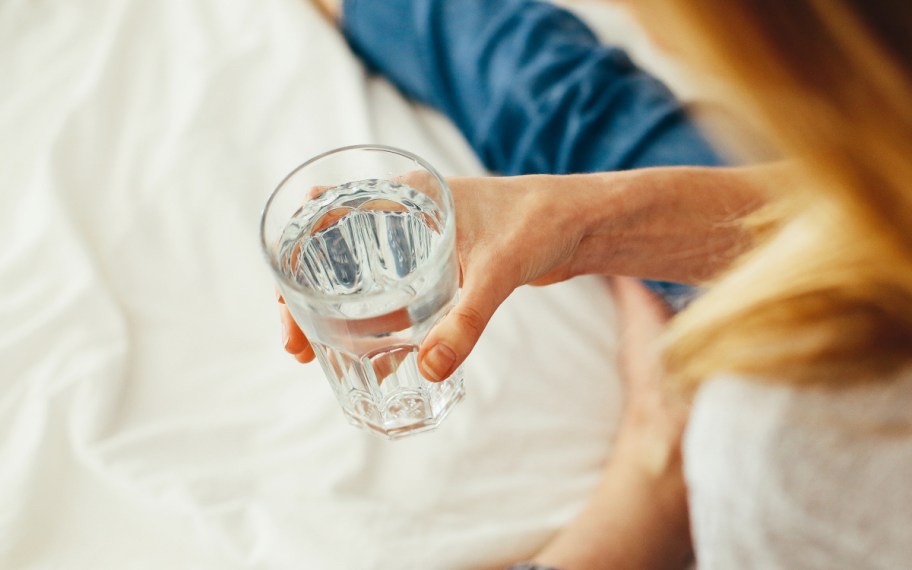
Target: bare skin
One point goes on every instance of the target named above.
(677, 224)
(637, 516)
(330, 8)
(661, 223)
(664, 223)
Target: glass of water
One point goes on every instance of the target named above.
(362, 242)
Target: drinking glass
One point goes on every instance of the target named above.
(362, 243)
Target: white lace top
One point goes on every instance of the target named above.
(786, 477)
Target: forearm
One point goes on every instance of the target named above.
(632, 522)
(677, 224)
(637, 518)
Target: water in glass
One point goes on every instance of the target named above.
(370, 248)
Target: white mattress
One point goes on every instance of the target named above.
(149, 417)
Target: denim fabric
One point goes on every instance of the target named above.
(530, 87)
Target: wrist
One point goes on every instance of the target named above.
(665, 223)
(604, 220)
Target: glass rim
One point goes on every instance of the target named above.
(448, 234)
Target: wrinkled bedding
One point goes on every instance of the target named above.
(149, 417)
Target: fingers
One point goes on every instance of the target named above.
(317, 191)
(294, 340)
(642, 319)
(639, 308)
(453, 338)
(306, 355)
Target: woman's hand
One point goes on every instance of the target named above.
(649, 437)
(637, 517)
(675, 224)
(293, 339)
(510, 231)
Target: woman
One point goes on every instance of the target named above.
(799, 356)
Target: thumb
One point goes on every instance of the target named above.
(453, 338)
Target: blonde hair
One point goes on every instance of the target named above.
(827, 295)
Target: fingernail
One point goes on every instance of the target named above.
(286, 338)
(438, 362)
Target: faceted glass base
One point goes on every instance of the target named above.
(384, 392)
(414, 417)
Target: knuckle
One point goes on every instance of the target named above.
(471, 320)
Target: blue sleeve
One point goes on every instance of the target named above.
(530, 87)
(527, 83)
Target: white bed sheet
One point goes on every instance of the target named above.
(148, 415)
